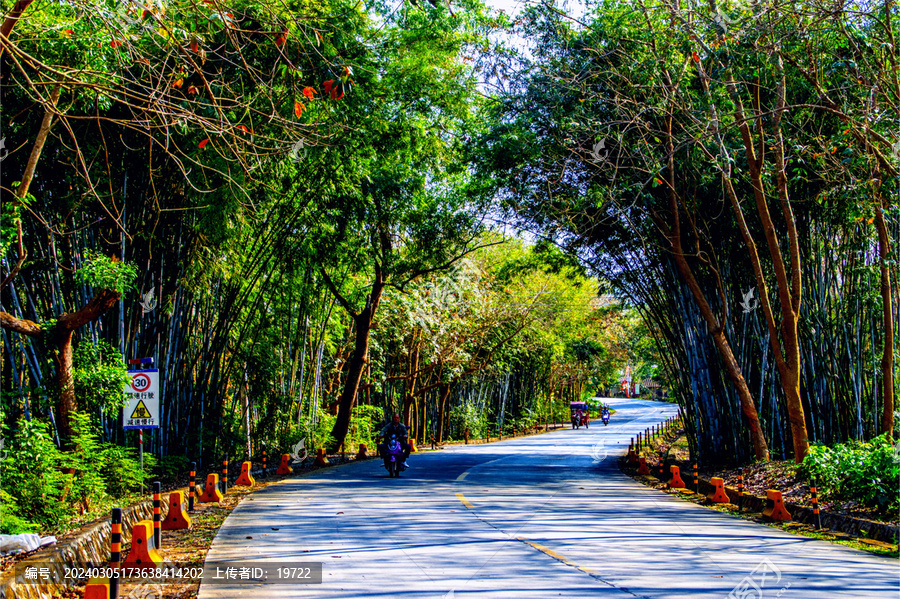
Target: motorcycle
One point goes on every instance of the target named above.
(393, 459)
(605, 418)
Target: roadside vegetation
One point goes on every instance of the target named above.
(301, 212)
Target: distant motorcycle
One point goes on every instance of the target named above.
(605, 418)
(393, 458)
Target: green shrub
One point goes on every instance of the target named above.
(467, 416)
(31, 478)
(87, 485)
(320, 432)
(121, 469)
(11, 522)
(865, 472)
(106, 272)
(364, 426)
(36, 494)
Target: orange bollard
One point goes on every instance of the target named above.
(675, 482)
(143, 554)
(97, 588)
(412, 446)
(361, 455)
(211, 494)
(775, 507)
(643, 468)
(245, 479)
(285, 467)
(321, 458)
(719, 495)
(177, 518)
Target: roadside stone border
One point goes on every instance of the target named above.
(853, 528)
(89, 546)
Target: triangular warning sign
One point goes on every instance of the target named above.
(141, 411)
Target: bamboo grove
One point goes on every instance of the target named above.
(733, 169)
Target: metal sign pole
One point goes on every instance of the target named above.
(141, 452)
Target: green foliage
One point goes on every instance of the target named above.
(104, 272)
(30, 475)
(526, 420)
(100, 376)
(468, 417)
(865, 472)
(10, 215)
(364, 426)
(11, 522)
(121, 469)
(317, 433)
(86, 484)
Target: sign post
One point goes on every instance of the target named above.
(142, 402)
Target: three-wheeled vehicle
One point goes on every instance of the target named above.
(580, 414)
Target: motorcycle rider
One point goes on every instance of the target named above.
(395, 428)
(605, 414)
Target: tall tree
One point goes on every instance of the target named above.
(195, 99)
(393, 206)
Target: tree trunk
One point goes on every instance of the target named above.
(65, 382)
(358, 360)
(714, 326)
(789, 286)
(412, 369)
(13, 17)
(36, 149)
(444, 393)
(887, 354)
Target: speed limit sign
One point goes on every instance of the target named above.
(142, 393)
(140, 382)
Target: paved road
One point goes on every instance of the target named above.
(543, 516)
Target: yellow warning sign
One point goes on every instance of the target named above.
(141, 411)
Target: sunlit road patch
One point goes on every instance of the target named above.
(530, 517)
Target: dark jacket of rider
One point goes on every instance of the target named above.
(394, 429)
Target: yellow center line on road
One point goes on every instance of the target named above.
(465, 501)
(555, 555)
(463, 475)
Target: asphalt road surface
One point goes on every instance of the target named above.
(543, 516)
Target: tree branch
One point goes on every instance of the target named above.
(28, 176)
(13, 17)
(20, 325)
(337, 294)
